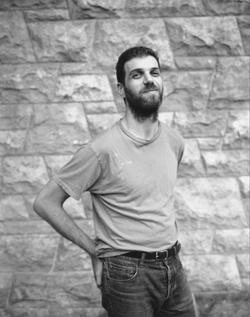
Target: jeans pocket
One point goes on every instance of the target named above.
(121, 273)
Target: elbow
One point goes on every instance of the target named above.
(39, 205)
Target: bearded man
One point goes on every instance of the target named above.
(130, 171)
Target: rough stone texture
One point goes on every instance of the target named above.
(200, 123)
(237, 133)
(65, 127)
(5, 284)
(12, 142)
(46, 15)
(23, 174)
(13, 207)
(203, 203)
(14, 45)
(222, 7)
(224, 304)
(27, 253)
(244, 25)
(231, 241)
(217, 272)
(169, 8)
(32, 4)
(61, 41)
(83, 88)
(196, 242)
(222, 163)
(15, 117)
(112, 37)
(185, 91)
(96, 9)
(204, 36)
(231, 80)
(58, 90)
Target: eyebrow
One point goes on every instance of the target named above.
(142, 69)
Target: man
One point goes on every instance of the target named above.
(130, 171)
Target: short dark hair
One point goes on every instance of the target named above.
(136, 51)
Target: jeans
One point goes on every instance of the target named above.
(146, 288)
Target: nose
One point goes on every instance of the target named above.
(147, 78)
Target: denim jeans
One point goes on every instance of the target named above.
(146, 288)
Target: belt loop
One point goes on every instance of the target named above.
(142, 258)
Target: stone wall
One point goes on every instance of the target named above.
(58, 90)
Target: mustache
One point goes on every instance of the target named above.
(150, 87)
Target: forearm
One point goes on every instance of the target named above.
(57, 217)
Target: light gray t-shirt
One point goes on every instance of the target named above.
(131, 182)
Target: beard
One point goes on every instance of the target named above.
(146, 104)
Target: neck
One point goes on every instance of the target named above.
(144, 129)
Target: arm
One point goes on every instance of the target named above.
(49, 206)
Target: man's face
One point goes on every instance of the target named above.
(143, 88)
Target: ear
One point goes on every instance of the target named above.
(120, 89)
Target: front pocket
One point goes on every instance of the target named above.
(121, 273)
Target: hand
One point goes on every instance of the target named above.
(97, 269)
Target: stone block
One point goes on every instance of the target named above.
(70, 258)
(100, 107)
(237, 132)
(205, 203)
(161, 8)
(96, 9)
(231, 81)
(226, 7)
(32, 4)
(191, 63)
(223, 304)
(84, 88)
(227, 104)
(186, 90)
(23, 174)
(191, 164)
(212, 273)
(113, 37)
(244, 25)
(226, 163)
(99, 123)
(200, 123)
(207, 144)
(231, 241)
(46, 15)
(40, 291)
(68, 41)
(5, 285)
(15, 117)
(57, 128)
(13, 208)
(15, 44)
(244, 182)
(27, 253)
(28, 83)
(196, 241)
(243, 261)
(204, 36)
(12, 142)
(32, 226)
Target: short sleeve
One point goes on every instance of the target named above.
(80, 173)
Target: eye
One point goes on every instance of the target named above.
(136, 75)
(155, 72)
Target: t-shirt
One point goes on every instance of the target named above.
(131, 182)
